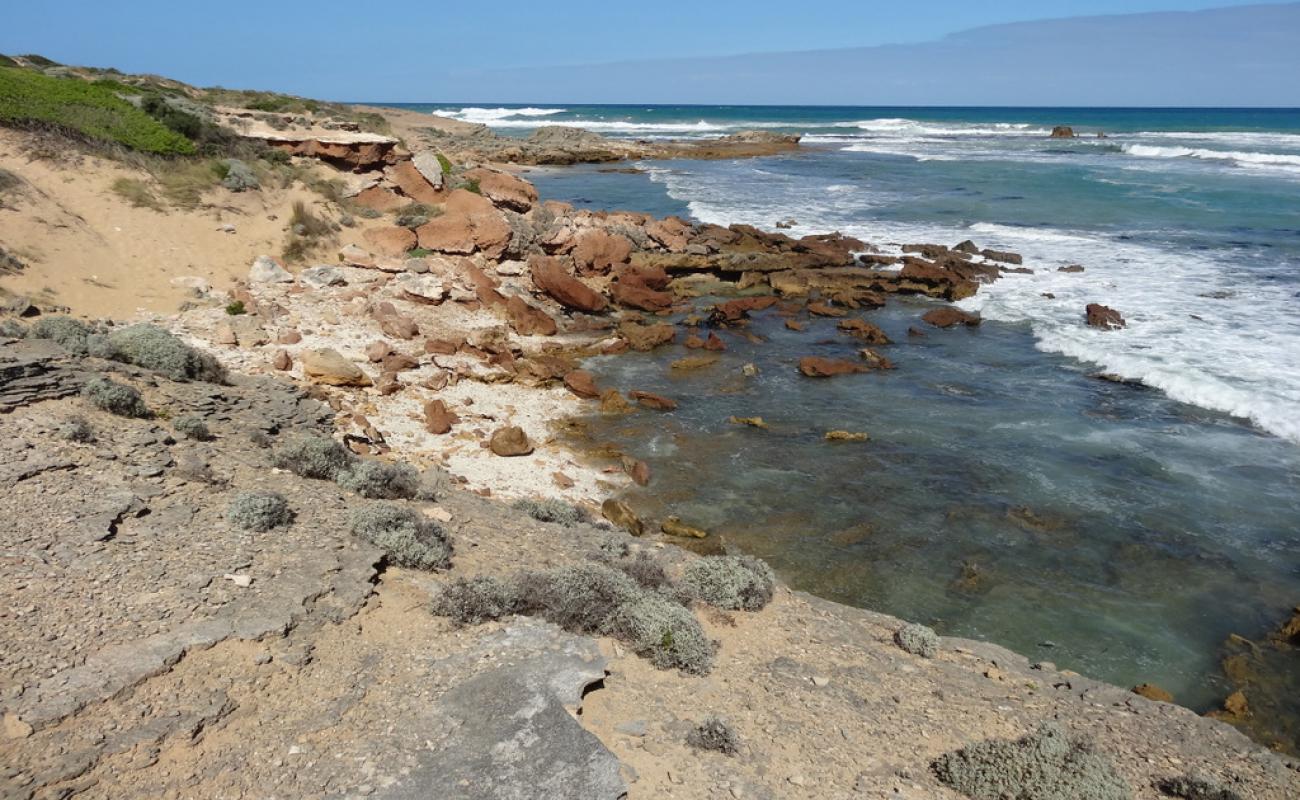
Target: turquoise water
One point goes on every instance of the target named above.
(1005, 494)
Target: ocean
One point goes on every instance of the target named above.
(1006, 493)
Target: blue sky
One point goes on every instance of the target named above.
(426, 51)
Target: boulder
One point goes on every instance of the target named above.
(355, 256)
(637, 470)
(818, 367)
(1103, 317)
(504, 189)
(1062, 132)
(582, 383)
(470, 224)
(394, 323)
(654, 401)
(390, 241)
(948, 316)
(673, 526)
(282, 361)
(430, 168)
(620, 513)
(597, 251)
(611, 402)
(1003, 256)
(528, 320)
(1152, 692)
(412, 183)
(437, 419)
(968, 247)
(820, 309)
(267, 270)
(322, 276)
(738, 309)
(377, 198)
(1071, 268)
(551, 278)
(646, 337)
(328, 366)
(866, 331)
(672, 233)
(634, 288)
(510, 441)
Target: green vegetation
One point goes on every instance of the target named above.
(418, 252)
(1048, 764)
(730, 582)
(71, 334)
(472, 185)
(77, 429)
(137, 193)
(30, 99)
(306, 230)
(917, 640)
(6, 61)
(236, 308)
(444, 163)
(259, 511)
(714, 734)
(317, 457)
(408, 537)
(192, 427)
(115, 398)
(379, 480)
(155, 349)
(556, 511)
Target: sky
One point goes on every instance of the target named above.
(459, 51)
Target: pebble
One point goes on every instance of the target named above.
(820, 681)
(243, 581)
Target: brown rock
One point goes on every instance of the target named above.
(693, 342)
(875, 360)
(470, 224)
(376, 350)
(817, 367)
(846, 436)
(823, 310)
(1003, 256)
(290, 336)
(866, 331)
(670, 233)
(948, 316)
(380, 199)
(611, 402)
(582, 383)
(646, 337)
(1152, 692)
(621, 514)
(741, 307)
(412, 184)
(693, 362)
(504, 189)
(598, 251)
(1071, 268)
(753, 422)
(654, 401)
(224, 334)
(550, 277)
(673, 526)
(282, 361)
(398, 362)
(392, 241)
(510, 441)
(329, 367)
(394, 323)
(714, 343)
(637, 470)
(794, 325)
(528, 320)
(437, 419)
(1062, 132)
(1104, 317)
(442, 347)
(561, 480)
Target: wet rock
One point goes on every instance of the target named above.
(1103, 317)
(646, 337)
(947, 316)
(818, 367)
(753, 422)
(846, 436)
(875, 360)
(654, 401)
(821, 309)
(637, 470)
(620, 513)
(693, 362)
(1070, 268)
(866, 331)
(510, 441)
(1003, 256)
(673, 526)
(611, 402)
(1152, 692)
(735, 310)
(582, 383)
(968, 247)
(1062, 132)
(328, 366)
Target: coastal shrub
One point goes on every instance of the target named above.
(305, 231)
(238, 176)
(115, 398)
(416, 214)
(714, 734)
(379, 480)
(444, 163)
(473, 601)
(11, 328)
(646, 571)
(30, 99)
(1047, 764)
(917, 640)
(1190, 787)
(409, 538)
(236, 308)
(192, 427)
(77, 429)
(318, 457)
(472, 185)
(663, 632)
(260, 439)
(136, 192)
(578, 597)
(259, 511)
(70, 334)
(731, 582)
(551, 510)
(155, 349)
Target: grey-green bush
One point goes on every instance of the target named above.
(380, 480)
(259, 511)
(12, 328)
(731, 582)
(318, 457)
(1048, 764)
(715, 734)
(578, 597)
(551, 510)
(77, 429)
(1191, 787)
(409, 538)
(663, 632)
(647, 572)
(192, 427)
(473, 601)
(115, 398)
(155, 349)
(70, 334)
(917, 640)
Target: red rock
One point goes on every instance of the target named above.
(393, 323)
(714, 343)
(794, 325)
(380, 199)
(528, 320)
(1104, 317)
(693, 342)
(875, 360)
(469, 224)
(442, 347)
(935, 281)
(646, 337)
(597, 251)
(510, 441)
(632, 294)
(654, 401)
(393, 241)
(582, 383)
(866, 331)
(671, 233)
(741, 307)
(948, 316)
(412, 183)
(822, 310)
(550, 277)
(504, 189)
(817, 367)
(437, 419)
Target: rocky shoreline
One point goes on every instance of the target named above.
(307, 663)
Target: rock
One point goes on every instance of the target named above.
(794, 325)
(291, 336)
(1003, 256)
(15, 728)
(875, 360)
(646, 337)
(673, 526)
(738, 309)
(224, 334)
(968, 247)
(582, 383)
(753, 422)
(267, 270)
(470, 224)
(693, 362)
(393, 241)
(620, 513)
(504, 189)
(818, 367)
(866, 331)
(820, 309)
(528, 320)
(630, 289)
(845, 436)
(355, 256)
(377, 198)
(1152, 692)
(282, 361)
(510, 441)
(670, 233)
(377, 350)
(321, 276)
(398, 362)
(551, 278)
(611, 402)
(394, 323)
(637, 470)
(1073, 268)
(1103, 317)
(947, 316)
(1062, 132)
(328, 366)
(410, 180)
(597, 251)
(437, 419)
(654, 401)
(511, 268)
(430, 168)
(239, 176)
